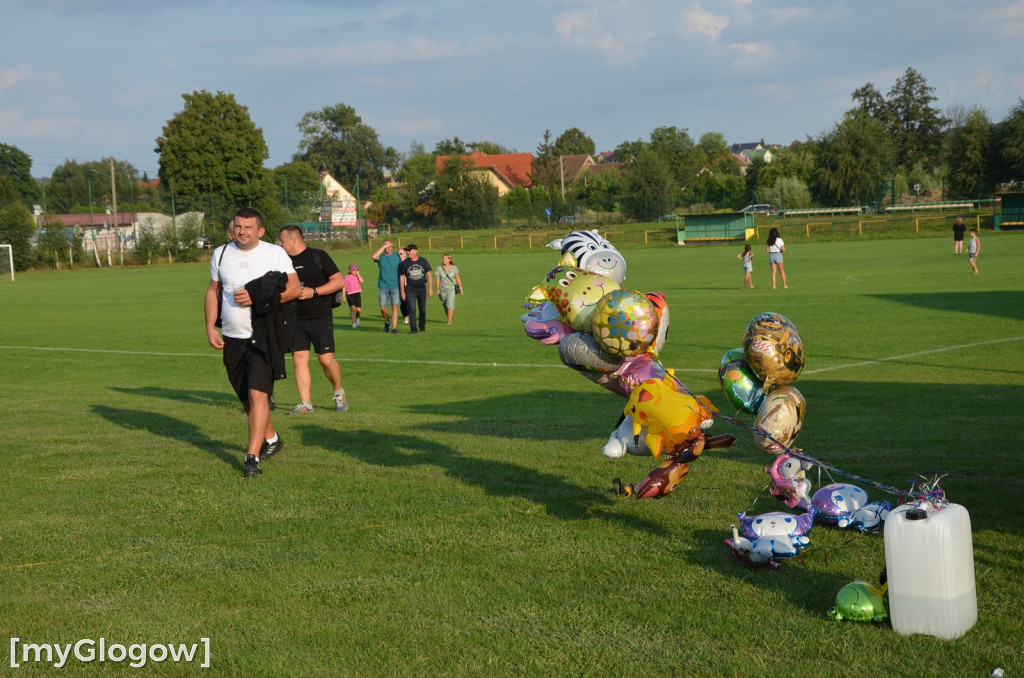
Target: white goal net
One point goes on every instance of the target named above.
(6, 261)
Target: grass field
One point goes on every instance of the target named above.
(460, 519)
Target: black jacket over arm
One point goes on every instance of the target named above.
(272, 322)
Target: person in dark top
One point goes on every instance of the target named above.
(959, 228)
(320, 279)
(415, 283)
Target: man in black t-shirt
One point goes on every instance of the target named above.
(314, 324)
(415, 284)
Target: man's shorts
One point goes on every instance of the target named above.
(247, 367)
(355, 300)
(316, 331)
(389, 296)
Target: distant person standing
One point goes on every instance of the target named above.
(246, 279)
(403, 254)
(959, 228)
(415, 282)
(775, 247)
(314, 324)
(973, 250)
(353, 293)
(387, 284)
(449, 283)
(747, 257)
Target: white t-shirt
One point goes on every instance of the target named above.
(236, 269)
(777, 247)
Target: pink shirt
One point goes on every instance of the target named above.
(352, 284)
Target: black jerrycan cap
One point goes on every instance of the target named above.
(917, 514)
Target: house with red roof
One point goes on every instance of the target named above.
(505, 171)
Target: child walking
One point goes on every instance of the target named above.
(747, 257)
(353, 293)
(973, 249)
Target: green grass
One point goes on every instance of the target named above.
(459, 519)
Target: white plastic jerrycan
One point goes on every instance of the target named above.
(929, 559)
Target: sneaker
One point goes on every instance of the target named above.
(387, 326)
(340, 401)
(394, 331)
(302, 408)
(270, 449)
(252, 466)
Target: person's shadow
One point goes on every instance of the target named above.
(172, 428)
(560, 498)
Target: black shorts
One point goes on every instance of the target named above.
(247, 367)
(355, 299)
(316, 331)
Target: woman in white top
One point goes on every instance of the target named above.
(775, 249)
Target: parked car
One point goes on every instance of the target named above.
(760, 209)
(571, 219)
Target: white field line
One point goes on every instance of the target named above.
(454, 363)
(906, 356)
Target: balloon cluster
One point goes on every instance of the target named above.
(612, 336)
(758, 379)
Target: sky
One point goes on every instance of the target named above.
(88, 79)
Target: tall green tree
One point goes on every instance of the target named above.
(628, 151)
(679, 152)
(545, 164)
(574, 142)
(650, 187)
(1010, 139)
(17, 230)
(16, 166)
(968, 153)
(916, 125)
(336, 140)
(462, 198)
(299, 190)
(850, 159)
(211, 159)
(75, 187)
(453, 146)
(9, 194)
(488, 147)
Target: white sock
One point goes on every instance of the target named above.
(273, 440)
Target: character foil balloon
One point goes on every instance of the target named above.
(781, 416)
(773, 349)
(739, 383)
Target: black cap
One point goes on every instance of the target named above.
(411, 246)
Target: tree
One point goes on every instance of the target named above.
(75, 187)
(1010, 138)
(211, 158)
(9, 194)
(968, 153)
(488, 147)
(601, 192)
(17, 230)
(649, 187)
(787, 193)
(850, 159)
(916, 125)
(545, 164)
(450, 147)
(299, 189)
(677, 149)
(415, 175)
(628, 151)
(463, 198)
(16, 166)
(574, 142)
(336, 140)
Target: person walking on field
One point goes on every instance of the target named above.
(320, 279)
(387, 285)
(959, 228)
(353, 294)
(775, 248)
(973, 250)
(249, 281)
(449, 283)
(416, 283)
(747, 257)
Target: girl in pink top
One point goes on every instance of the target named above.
(353, 293)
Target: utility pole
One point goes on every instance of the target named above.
(561, 174)
(113, 195)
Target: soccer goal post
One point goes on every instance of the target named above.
(7, 260)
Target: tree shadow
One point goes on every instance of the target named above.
(998, 303)
(174, 429)
(559, 498)
(180, 395)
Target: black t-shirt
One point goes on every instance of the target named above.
(314, 267)
(415, 272)
(958, 231)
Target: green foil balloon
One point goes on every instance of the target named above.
(860, 602)
(739, 383)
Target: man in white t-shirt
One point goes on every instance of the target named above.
(232, 266)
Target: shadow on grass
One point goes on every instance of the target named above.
(225, 397)
(560, 499)
(173, 429)
(1001, 304)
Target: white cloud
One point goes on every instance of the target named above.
(760, 50)
(12, 75)
(698, 22)
(587, 29)
(16, 122)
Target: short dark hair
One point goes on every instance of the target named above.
(250, 213)
(296, 228)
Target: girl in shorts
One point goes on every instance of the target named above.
(353, 293)
(747, 257)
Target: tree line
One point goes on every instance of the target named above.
(212, 154)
